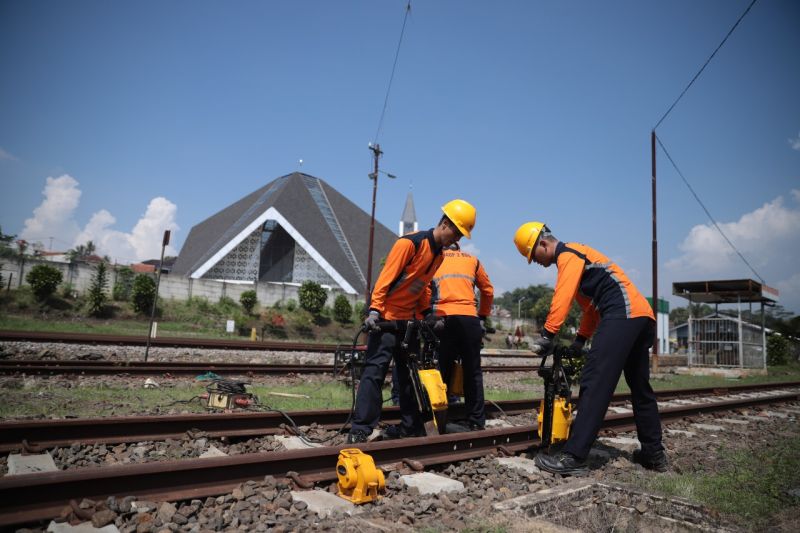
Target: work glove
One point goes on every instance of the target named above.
(436, 323)
(483, 328)
(544, 344)
(578, 345)
(371, 322)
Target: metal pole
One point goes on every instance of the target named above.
(376, 150)
(741, 343)
(655, 249)
(164, 244)
(763, 338)
(689, 338)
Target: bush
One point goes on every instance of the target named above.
(777, 350)
(96, 303)
(303, 322)
(44, 281)
(312, 297)
(68, 291)
(342, 310)
(248, 300)
(360, 310)
(143, 294)
(291, 304)
(124, 285)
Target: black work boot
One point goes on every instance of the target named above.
(656, 461)
(356, 436)
(399, 431)
(563, 463)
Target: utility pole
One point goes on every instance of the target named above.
(655, 249)
(164, 244)
(377, 153)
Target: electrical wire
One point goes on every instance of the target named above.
(391, 77)
(746, 11)
(699, 201)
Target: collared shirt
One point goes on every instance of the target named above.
(453, 286)
(599, 286)
(402, 290)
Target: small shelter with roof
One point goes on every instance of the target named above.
(720, 340)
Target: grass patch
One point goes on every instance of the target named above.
(749, 485)
(92, 399)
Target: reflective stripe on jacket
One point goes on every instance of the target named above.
(599, 286)
(453, 286)
(402, 289)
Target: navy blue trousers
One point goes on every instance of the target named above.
(461, 339)
(382, 347)
(619, 345)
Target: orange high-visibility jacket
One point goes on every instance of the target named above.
(453, 286)
(599, 286)
(402, 289)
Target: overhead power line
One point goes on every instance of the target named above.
(391, 78)
(699, 201)
(704, 65)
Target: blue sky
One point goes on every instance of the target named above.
(118, 120)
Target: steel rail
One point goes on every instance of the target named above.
(199, 342)
(32, 435)
(169, 342)
(140, 368)
(31, 497)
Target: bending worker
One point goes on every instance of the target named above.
(453, 297)
(624, 328)
(401, 291)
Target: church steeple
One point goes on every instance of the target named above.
(408, 222)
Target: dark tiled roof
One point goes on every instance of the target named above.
(290, 195)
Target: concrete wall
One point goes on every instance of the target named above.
(79, 275)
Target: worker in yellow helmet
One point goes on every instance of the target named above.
(401, 293)
(623, 325)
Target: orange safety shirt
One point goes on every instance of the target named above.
(453, 286)
(402, 290)
(599, 286)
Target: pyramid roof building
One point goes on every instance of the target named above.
(296, 228)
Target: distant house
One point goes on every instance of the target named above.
(54, 257)
(143, 268)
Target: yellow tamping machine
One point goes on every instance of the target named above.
(360, 481)
(555, 410)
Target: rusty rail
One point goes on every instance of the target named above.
(113, 430)
(31, 497)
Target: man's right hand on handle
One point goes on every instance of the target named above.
(544, 344)
(371, 322)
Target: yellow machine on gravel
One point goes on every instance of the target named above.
(555, 410)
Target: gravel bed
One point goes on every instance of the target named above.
(266, 504)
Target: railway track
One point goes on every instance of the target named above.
(35, 435)
(32, 497)
(195, 342)
(140, 368)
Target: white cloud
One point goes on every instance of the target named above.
(6, 156)
(55, 218)
(789, 290)
(470, 249)
(768, 237)
(795, 143)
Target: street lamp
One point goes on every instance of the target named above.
(519, 304)
(376, 151)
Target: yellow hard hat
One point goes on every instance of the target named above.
(526, 236)
(462, 214)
